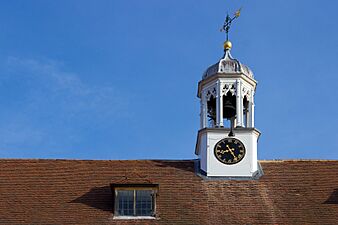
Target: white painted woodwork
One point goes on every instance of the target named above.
(228, 75)
(247, 167)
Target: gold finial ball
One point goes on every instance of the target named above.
(227, 45)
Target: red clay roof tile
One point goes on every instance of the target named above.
(78, 192)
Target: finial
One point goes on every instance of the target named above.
(227, 45)
(226, 28)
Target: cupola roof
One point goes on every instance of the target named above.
(227, 65)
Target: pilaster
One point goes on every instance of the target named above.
(219, 105)
(239, 105)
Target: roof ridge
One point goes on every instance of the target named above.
(100, 160)
(297, 160)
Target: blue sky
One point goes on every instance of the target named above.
(118, 79)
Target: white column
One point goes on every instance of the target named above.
(239, 105)
(248, 116)
(203, 111)
(219, 105)
(248, 119)
(252, 110)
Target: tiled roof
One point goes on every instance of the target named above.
(78, 192)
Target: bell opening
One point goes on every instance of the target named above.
(211, 112)
(245, 111)
(229, 109)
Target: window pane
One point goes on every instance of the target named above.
(125, 203)
(144, 203)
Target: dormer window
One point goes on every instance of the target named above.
(135, 201)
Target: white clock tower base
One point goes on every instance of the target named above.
(212, 167)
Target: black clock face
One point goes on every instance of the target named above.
(229, 151)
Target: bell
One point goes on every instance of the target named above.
(229, 110)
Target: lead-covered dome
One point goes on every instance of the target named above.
(227, 65)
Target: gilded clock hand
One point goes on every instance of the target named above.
(221, 151)
(231, 150)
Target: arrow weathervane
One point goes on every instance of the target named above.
(227, 22)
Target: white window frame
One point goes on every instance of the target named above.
(135, 187)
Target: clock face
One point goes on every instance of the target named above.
(229, 151)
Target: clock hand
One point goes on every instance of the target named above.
(222, 151)
(232, 153)
(231, 150)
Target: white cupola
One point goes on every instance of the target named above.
(228, 78)
(227, 140)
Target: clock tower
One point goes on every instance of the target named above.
(227, 140)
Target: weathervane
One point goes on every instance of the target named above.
(227, 23)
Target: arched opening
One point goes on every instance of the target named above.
(245, 111)
(229, 108)
(211, 111)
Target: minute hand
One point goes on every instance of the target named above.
(231, 151)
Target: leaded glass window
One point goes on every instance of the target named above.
(125, 202)
(135, 202)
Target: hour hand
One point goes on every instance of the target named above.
(222, 151)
